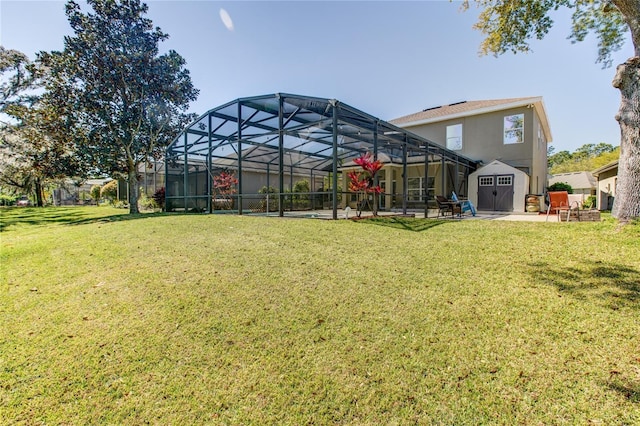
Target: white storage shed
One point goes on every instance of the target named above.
(499, 187)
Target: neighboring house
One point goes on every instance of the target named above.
(607, 179)
(583, 184)
(513, 131)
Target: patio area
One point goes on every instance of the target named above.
(433, 214)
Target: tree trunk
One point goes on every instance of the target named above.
(134, 188)
(38, 190)
(626, 205)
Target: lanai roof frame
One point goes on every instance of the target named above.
(321, 132)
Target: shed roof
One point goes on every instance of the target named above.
(497, 166)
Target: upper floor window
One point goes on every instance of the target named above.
(514, 129)
(541, 140)
(454, 137)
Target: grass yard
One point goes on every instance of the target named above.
(216, 319)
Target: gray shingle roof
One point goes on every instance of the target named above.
(461, 108)
(577, 180)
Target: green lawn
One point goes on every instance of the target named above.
(217, 319)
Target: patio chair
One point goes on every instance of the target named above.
(559, 202)
(465, 205)
(447, 206)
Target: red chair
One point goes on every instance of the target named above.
(559, 202)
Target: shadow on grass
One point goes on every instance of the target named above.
(64, 215)
(630, 391)
(118, 218)
(613, 284)
(38, 216)
(404, 223)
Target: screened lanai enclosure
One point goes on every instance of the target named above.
(286, 154)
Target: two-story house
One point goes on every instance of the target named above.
(509, 137)
(493, 152)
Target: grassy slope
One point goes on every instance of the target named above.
(246, 320)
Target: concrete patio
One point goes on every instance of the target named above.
(433, 214)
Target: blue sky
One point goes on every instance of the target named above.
(387, 58)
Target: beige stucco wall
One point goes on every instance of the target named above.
(391, 173)
(483, 139)
(606, 188)
(539, 168)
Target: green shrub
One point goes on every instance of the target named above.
(267, 190)
(109, 190)
(159, 197)
(590, 202)
(561, 186)
(7, 200)
(146, 203)
(273, 199)
(95, 193)
(301, 188)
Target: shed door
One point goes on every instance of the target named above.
(495, 192)
(504, 193)
(486, 186)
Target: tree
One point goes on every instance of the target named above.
(224, 186)
(33, 147)
(109, 190)
(364, 183)
(95, 193)
(125, 101)
(17, 78)
(558, 158)
(585, 158)
(508, 25)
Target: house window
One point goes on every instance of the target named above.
(514, 129)
(414, 189)
(540, 138)
(417, 188)
(454, 137)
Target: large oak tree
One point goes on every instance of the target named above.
(34, 148)
(125, 100)
(508, 25)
